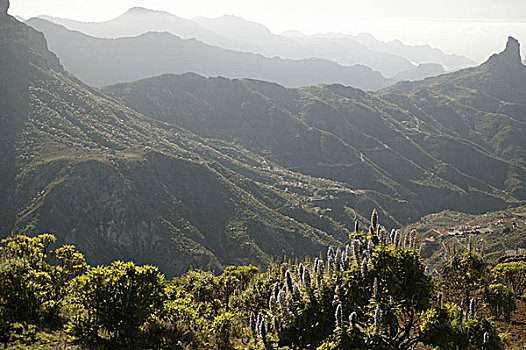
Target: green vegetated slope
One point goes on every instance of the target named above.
(120, 185)
(417, 148)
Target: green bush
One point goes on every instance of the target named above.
(500, 300)
(513, 275)
(117, 301)
(34, 279)
(16, 332)
(448, 327)
(465, 271)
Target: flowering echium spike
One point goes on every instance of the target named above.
(377, 317)
(352, 319)
(282, 299)
(374, 219)
(364, 267)
(275, 290)
(414, 238)
(272, 304)
(358, 245)
(338, 315)
(252, 322)
(329, 265)
(321, 267)
(258, 323)
(297, 292)
(473, 307)
(263, 331)
(370, 247)
(275, 324)
(306, 278)
(289, 282)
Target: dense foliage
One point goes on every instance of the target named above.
(374, 293)
(513, 275)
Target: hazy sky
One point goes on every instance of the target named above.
(474, 28)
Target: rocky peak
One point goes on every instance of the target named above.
(510, 56)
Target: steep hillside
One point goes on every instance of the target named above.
(484, 105)
(100, 62)
(408, 155)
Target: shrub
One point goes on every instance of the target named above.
(500, 299)
(465, 271)
(448, 327)
(117, 301)
(513, 275)
(34, 279)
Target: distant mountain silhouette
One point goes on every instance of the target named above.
(137, 21)
(417, 53)
(238, 34)
(98, 61)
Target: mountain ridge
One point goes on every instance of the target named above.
(236, 33)
(97, 61)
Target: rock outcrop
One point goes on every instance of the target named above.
(510, 56)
